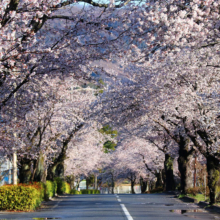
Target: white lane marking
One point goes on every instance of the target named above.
(126, 212)
(56, 204)
(119, 200)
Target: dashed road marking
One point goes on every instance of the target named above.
(127, 214)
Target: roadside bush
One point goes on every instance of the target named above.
(49, 189)
(61, 186)
(67, 185)
(37, 185)
(75, 192)
(193, 191)
(54, 188)
(156, 190)
(22, 197)
(85, 191)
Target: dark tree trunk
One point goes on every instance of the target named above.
(132, 187)
(113, 184)
(185, 154)
(25, 170)
(57, 168)
(169, 178)
(143, 185)
(152, 185)
(87, 182)
(213, 176)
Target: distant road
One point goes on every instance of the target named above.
(115, 207)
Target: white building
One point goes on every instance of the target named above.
(5, 171)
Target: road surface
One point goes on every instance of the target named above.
(116, 207)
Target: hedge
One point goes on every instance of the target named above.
(62, 186)
(27, 197)
(67, 188)
(50, 189)
(22, 197)
(85, 191)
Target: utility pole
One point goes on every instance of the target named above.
(14, 158)
(9, 171)
(15, 178)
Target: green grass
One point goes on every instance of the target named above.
(198, 197)
(181, 196)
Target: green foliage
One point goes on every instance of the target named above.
(108, 146)
(62, 186)
(67, 191)
(75, 192)
(181, 196)
(215, 177)
(90, 191)
(197, 193)
(50, 189)
(199, 197)
(54, 188)
(106, 129)
(85, 191)
(101, 82)
(22, 197)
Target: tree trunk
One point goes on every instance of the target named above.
(159, 182)
(39, 169)
(96, 185)
(169, 178)
(113, 184)
(72, 181)
(213, 176)
(183, 164)
(57, 168)
(87, 182)
(144, 185)
(132, 187)
(25, 170)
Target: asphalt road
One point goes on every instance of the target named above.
(115, 207)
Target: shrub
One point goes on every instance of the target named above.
(61, 187)
(85, 191)
(22, 197)
(54, 188)
(75, 192)
(49, 190)
(37, 185)
(67, 186)
(157, 190)
(193, 191)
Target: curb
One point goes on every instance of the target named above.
(206, 206)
